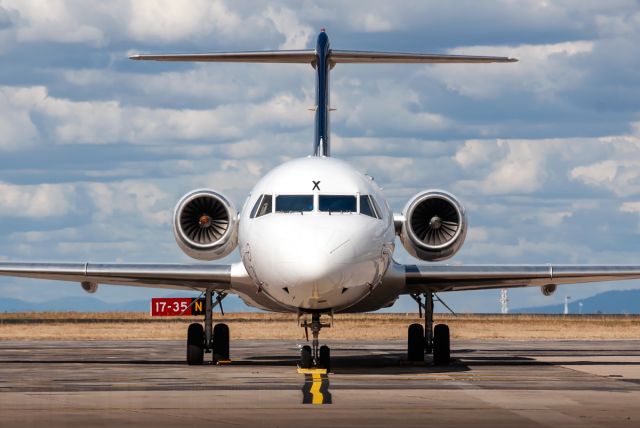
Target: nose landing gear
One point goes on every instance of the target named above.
(315, 355)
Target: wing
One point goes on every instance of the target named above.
(421, 278)
(177, 276)
(231, 278)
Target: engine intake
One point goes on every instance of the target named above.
(205, 225)
(434, 226)
(548, 290)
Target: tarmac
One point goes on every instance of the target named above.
(489, 383)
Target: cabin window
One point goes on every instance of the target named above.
(294, 203)
(337, 203)
(263, 206)
(367, 207)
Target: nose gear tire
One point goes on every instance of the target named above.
(325, 358)
(305, 357)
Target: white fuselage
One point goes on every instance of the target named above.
(315, 234)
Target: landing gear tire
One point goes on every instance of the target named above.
(195, 344)
(415, 343)
(325, 358)
(441, 345)
(220, 342)
(306, 361)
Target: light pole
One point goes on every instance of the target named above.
(566, 304)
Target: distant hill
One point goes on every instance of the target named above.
(92, 304)
(609, 302)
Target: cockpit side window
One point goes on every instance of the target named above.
(376, 207)
(337, 203)
(263, 206)
(294, 203)
(367, 207)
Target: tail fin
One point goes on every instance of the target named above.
(323, 59)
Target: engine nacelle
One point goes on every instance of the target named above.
(89, 287)
(434, 226)
(205, 225)
(549, 289)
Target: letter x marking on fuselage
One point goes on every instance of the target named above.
(316, 185)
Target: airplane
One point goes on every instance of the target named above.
(316, 237)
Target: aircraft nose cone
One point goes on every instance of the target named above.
(316, 264)
(313, 264)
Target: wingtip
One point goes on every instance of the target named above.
(513, 59)
(134, 57)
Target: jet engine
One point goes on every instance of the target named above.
(548, 290)
(89, 287)
(205, 225)
(434, 225)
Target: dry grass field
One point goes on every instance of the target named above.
(130, 325)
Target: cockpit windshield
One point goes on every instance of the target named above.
(363, 204)
(294, 203)
(337, 203)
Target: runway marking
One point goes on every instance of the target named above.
(311, 371)
(316, 386)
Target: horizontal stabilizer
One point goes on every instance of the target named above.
(292, 56)
(354, 57)
(335, 56)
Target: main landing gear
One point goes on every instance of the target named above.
(428, 339)
(315, 355)
(208, 339)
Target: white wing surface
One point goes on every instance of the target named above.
(176, 276)
(421, 278)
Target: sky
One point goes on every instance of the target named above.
(96, 149)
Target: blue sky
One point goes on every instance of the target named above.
(95, 149)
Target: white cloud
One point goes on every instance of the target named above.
(543, 70)
(36, 201)
(521, 170)
(599, 173)
(167, 20)
(286, 22)
(549, 218)
(382, 106)
(130, 199)
(17, 131)
(152, 21)
(101, 122)
(55, 20)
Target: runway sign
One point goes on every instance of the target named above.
(176, 307)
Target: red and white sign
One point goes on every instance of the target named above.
(175, 307)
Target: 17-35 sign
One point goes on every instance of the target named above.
(174, 307)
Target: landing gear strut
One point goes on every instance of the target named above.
(430, 339)
(208, 339)
(315, 355)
